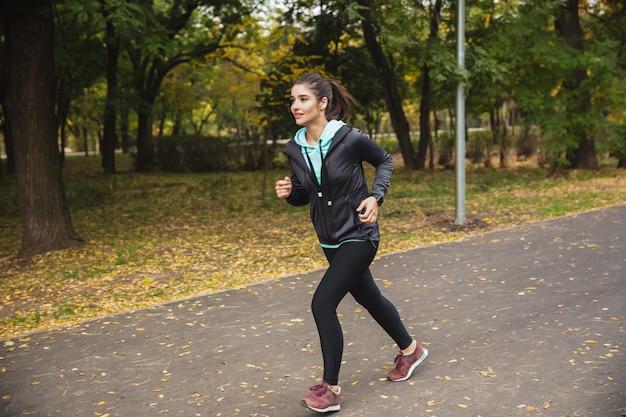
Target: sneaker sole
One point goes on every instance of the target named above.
(321, 410)
(417, 363)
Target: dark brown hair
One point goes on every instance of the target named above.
(339, 100)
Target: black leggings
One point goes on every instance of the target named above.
(349, 272)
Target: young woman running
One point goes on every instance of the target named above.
(326, 158)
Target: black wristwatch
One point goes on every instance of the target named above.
(379, 198)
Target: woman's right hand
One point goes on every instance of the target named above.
(283, 187)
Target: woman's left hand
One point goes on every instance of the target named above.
(368, 210)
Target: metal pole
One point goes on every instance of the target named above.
(460, 120)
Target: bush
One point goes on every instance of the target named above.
(444, 147)
(211, 154)
(478, 146)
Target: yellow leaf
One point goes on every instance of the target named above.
(591, 342)
(102, 402)
(6, 397)
(530, 408)
(462, 405)
(447, 378)
(430, 403)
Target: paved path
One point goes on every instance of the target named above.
(528, 321)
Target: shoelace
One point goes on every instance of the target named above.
(399, 360)
(319, 389)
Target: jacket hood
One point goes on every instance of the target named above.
(327, 134)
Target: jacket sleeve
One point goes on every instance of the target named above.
(373, 154)
(298, 196)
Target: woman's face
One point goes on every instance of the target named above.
(305, 107)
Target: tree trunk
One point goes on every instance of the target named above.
(145, 147)
(568, 26)
(6, 124)
(46, 223)
(124, 127)
(434, 12)
(109, 137)
(425, 134)
(390, 89)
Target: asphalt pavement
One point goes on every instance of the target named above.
(528, 321)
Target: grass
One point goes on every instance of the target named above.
(158, 237)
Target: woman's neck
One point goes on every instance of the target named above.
(314, 132)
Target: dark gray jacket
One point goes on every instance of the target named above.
(344, 186)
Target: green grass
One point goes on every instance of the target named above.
(157, 237)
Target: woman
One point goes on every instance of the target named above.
(326, 157)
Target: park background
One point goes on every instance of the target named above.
(178, 111)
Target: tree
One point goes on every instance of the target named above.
(186, 31)
(608, 27)
(434, 13)
(582, 154)
(46, 223)
(109, 136)
(78, 62)
(387, 78)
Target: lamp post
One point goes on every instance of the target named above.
(460, 120)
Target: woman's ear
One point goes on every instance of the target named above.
(323, 103)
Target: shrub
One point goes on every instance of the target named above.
(211, 154)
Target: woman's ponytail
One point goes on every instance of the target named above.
(341, 107)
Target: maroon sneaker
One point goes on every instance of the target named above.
(406, 364)
(322, 399)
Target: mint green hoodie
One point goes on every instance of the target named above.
(318, 152)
